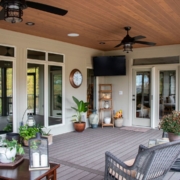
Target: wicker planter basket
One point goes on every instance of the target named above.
(118, 122)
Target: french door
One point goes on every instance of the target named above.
(141, 98)
(167, 92)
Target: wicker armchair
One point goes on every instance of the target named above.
(150, 163)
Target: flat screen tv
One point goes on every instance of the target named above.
(109, 65)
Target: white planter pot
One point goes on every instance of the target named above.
(118, 122)
(107, 120)
(6, 154)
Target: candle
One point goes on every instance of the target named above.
(44, 159)
(35, 159)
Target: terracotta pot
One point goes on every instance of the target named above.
(79, 127)
(173, 137)
(25, 142)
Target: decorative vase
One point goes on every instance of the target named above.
(118, 122)
(173, 137)
(94, 120)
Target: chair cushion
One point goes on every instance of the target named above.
(131, 173)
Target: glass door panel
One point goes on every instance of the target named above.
(35, 92)
(167, 92)
(55, 95)
(6, 96)
(90, 90)
(141, 98)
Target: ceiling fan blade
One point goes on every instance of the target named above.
(146, 43)
(2, 14)
(139, 37)
(118, 45)
(47, 8)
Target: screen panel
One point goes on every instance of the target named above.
(109, 65)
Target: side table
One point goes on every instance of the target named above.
(21, 172)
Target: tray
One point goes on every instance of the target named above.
(18, 159)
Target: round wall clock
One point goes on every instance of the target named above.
(76, 78)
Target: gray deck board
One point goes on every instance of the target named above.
(82, 155)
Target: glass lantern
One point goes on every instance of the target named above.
(38, 153)
(30, 121)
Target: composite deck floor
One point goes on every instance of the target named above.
(82, 155)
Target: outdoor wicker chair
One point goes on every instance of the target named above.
(150, 163)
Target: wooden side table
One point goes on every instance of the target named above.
(21, 172)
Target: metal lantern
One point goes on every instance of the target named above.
(38, 153)
(30, 121)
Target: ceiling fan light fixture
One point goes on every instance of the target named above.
(13, 10)
(13, 15)
(127, 47)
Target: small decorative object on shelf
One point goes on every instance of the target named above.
(38, 153)
(107, 120)
(106, 104)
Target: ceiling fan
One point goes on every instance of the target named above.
(12, 10)
(128, 41)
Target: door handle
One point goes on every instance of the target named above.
(133, 99)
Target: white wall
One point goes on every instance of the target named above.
(75, 57)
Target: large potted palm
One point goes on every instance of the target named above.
(81, 108)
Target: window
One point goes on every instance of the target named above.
(6, 95)
(45, 78)
(55, 95)
(6, 51)
(38, 55)
(35, 92)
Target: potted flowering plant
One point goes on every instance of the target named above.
(118, 117)
(170, 123)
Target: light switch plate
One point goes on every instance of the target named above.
(120, 92)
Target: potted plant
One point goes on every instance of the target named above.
(28, 132)
(48, 136)
(81, 108)
(170, 123)
(118, 117)
(9, 150)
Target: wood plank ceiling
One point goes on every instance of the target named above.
(98, 20)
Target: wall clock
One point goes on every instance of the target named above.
(76, 78)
